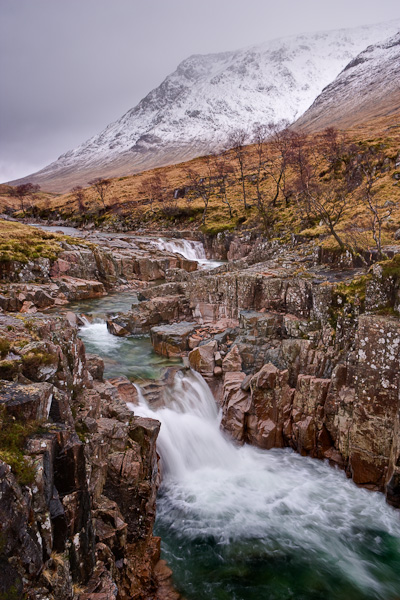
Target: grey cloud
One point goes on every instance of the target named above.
(69, 68)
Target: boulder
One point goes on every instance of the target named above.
(270, 407)
(235, 406)
(40, 361)
(95, 366)
(126, 390)
(232, 361)
(29, 402)
(150, 313)
(171, 340)
(308, 416)
(201, 359)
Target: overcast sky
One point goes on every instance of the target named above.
(70, 67)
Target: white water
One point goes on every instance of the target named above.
(189, 249)
(96, 335)
(215, 490)
(129, 356)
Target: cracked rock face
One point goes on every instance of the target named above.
(81, 513)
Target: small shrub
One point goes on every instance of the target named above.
(32, 361)
(4, 348)
(9, 369)
(13, 436)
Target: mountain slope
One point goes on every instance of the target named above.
(368, 88)
(194, 109)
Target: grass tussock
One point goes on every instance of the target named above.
(22, 243)
(13, 436)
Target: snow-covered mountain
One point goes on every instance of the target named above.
(369, 87)
(195, 108)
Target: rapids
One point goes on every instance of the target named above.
(190, 249)
(242, 523)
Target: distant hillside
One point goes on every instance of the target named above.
(368, 88)
(192, 112)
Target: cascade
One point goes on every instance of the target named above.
(242, 523)
(239, 522)
(190, 249)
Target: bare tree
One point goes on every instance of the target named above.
(223, 173)
(334, 146)
(23, 191)
(154, 189)
(326, 181)
(79, 197)
(202, 185)
(236, 142)
(101, 185)
(272, 147)
(372, 166)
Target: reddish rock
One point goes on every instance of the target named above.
(201, 359)
(235, 406)
(193, 342)
(95, 366)
(126, 390)
(171, 340)
(218, 359)
(308, 415)
(29, 402)
(116, 329)
(232, 361)
(28, 307)
(270, 407)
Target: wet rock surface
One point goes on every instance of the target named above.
(86, 271)
(77, 501)
(172, 340)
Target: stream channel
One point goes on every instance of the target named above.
(241, 523)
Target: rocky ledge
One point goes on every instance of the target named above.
(297, 353)
(79, 269)
(78, 473)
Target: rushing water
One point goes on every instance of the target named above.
(241, 523)
(189, 249)
(130, 356)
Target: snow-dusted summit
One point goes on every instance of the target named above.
(369, 87)
(195, 108)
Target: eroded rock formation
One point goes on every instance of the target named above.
(78, 472)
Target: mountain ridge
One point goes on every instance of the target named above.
(367, 88)
(194, 108)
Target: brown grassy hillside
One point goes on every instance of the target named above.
(128, 203)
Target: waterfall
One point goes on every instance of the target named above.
(225, 505)
(97, 337)
(190, 437)
(189, 249)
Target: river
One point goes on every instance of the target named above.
(190, 249)
(240, 523)
(246, 524)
